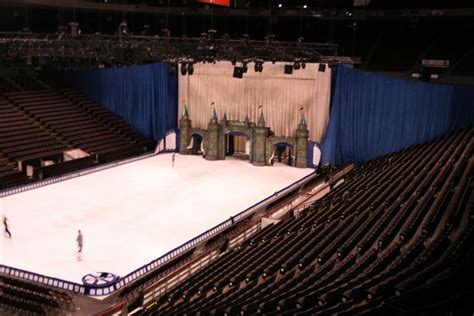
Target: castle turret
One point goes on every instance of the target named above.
(224, 119)
(302, 135)
(259, 142)
(184, 131)
(213, 129)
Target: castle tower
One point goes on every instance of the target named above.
(213, 130)
(302, 135)
(184, 131)
(222, 137)
(259, 142)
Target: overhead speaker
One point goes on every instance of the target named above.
(238, 72)
(119, 55)
(288, 69)
(322, 68)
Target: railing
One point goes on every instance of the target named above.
(134, 275)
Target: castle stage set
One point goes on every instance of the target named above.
(264, 115)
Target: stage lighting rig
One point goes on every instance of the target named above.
(123, 29)
(90, 50)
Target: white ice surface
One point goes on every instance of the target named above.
(131, 214)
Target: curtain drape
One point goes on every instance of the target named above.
(373, 115)
(146, 96)
(281, 96)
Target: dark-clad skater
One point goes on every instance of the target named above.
(5, 224)
(79, 245)
(172, 159)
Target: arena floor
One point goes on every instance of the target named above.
(131, 214)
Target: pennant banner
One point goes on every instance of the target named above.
(216, 2)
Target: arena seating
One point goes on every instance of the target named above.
(21, 138)
(405, 226)
(39, 123)
(23, 298)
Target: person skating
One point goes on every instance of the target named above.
(5, 224)
(79, 240)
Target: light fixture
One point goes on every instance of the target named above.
(280, 5)
(190, 68)
(305, 6)
(184, 69)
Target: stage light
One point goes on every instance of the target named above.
(238, 72)
(280, 5)
(190, 69)
(305, 6)
(184, 69)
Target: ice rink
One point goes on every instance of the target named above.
(131, 214)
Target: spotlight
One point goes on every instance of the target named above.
(123, 29)
(280, 5)
(258, 66)
(305, 6)
(238, 72)
(184, 69)
(190, 68)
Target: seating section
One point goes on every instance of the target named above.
(7, 86)
(108, 118)
(405, 221)
(22, 298)
(26, 81)
(22, 139)
(42, 123)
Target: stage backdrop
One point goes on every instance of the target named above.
(280, 95)
(145, 96)
(373, 115)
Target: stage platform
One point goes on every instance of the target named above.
(131, 214)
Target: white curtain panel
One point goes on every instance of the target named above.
(280, 95)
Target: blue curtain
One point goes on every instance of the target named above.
(373, 115)
(146, 96)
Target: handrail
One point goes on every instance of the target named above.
(167, 257)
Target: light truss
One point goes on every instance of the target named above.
(91, 50)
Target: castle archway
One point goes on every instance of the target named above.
(283, 152)
(236, 144)
(196, 144)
